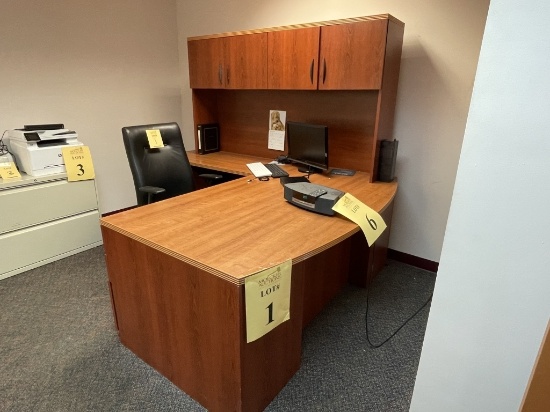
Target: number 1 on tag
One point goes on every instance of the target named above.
(155, 138)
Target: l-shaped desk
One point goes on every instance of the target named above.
(177, 268)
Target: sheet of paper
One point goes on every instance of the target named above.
(370, 221)
(8, 170)
(78, 162)
(267, 300)
(276, 137)
(155, 138)
(276, 140)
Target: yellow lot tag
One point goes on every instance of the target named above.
(78, 162)
(370, 221)
(155, 138)
(9, 171)
(267, 300)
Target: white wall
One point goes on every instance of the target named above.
(491, 303)
(440, 53)
(98, 66)
(95, 66)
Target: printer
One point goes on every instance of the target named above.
(37, 149)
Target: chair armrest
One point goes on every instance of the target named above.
(211, 177)
(151, 190)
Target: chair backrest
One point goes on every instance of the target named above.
(167, 167)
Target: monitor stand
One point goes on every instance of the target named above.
(309, 170)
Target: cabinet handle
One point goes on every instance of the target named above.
(228, 78)
(324, 70)
(311, 71)
(220, 74)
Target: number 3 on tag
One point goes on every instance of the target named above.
(78, 163)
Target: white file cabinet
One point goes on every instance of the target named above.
(46, 218)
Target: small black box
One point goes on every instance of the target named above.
(386, 160)
(208, 138)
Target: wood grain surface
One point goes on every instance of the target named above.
(241, 227)
(176, 275)
(302, 25)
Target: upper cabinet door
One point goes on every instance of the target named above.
(206, 65)
(246, 61)
(293, 57)
(234, 62)
(352, 55)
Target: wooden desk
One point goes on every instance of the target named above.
(177, 269)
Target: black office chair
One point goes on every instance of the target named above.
(159, 173)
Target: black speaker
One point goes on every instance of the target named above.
(386, 160)
(208, 138)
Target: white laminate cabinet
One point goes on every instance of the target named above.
(45, 219)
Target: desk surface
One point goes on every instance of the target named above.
(245, 224)
(225, 161)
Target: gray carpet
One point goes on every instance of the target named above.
(59, 350)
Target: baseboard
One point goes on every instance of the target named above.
(413, 260)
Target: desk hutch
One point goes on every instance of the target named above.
(341, 73)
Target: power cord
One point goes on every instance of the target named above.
(3, 147)
(375, 346)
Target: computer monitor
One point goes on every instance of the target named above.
(308, 146)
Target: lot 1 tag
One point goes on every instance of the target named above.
(267, 300)
(155, 138)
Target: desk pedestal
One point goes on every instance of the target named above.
(190, 325)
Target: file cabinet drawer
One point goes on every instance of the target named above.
(37, 245)
(35, 204)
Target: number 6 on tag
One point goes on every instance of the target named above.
(369, 220)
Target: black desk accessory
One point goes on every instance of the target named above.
(386, 160)
(293, 179)
(283, 159)
(275, 170)
(312, 197)
(52, 126)
(342, 172)
(208, 136)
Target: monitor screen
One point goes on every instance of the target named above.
(308, 145)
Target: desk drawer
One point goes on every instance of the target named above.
(31, 205)
(27, 248)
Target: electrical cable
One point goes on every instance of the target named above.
(3, 147)
(375, 346)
